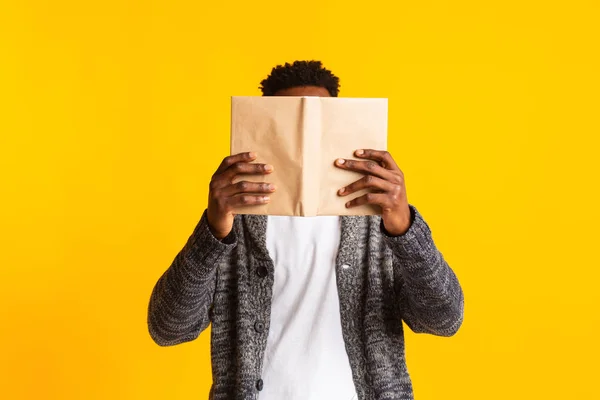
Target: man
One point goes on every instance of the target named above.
(307, 307)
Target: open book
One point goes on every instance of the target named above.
(302, 137)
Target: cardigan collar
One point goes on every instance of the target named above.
(352, 228)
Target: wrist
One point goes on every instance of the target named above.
(399, 225)
(217, 230)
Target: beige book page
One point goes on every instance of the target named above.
(348, 124)
(271, 127)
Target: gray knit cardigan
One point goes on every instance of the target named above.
(382, 281)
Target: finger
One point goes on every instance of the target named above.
(245, 168)
(367, 182)
(381, 156)
(236, 158)
(379, 199)
(367, 168)
(247, 187)
(248, 200)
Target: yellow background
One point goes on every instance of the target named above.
(114, 114)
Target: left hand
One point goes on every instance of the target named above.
(383, 176)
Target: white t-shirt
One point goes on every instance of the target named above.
(305, 357)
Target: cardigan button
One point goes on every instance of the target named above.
(259, 327)
(262, 271)
(259, 385)
(345, 266)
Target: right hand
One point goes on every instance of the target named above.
(225, 196)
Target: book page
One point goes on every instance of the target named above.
(348, 124)
(272, 128)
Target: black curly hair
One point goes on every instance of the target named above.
(300, 73)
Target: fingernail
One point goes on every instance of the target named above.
(347, 204)
(360, 152)
(252, 154)
(271, 187)
(266, 198)
(341, 161)
(342, 190)
(268, 167)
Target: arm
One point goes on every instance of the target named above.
(430, 296)
(429, 293)
(182, 297)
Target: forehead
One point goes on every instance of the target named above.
(304, 91)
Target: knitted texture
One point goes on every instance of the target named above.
(382, 281)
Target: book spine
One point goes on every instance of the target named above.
(311, 156)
